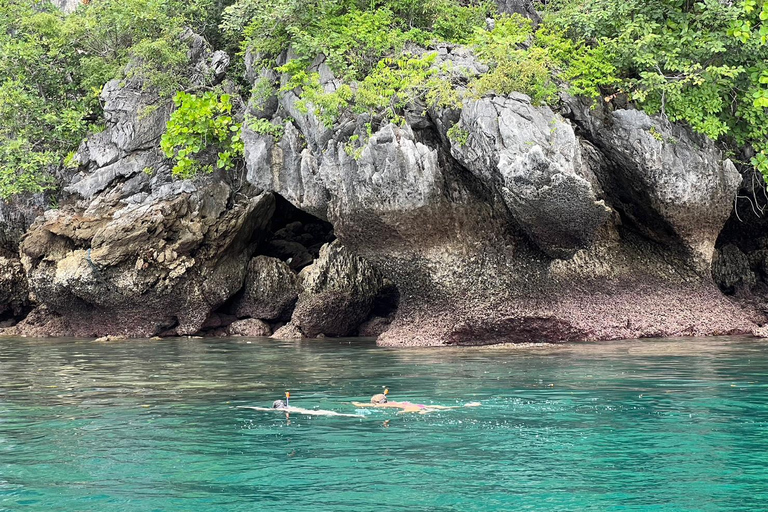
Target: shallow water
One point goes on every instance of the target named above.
(664, 425)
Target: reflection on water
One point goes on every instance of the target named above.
(153, 425)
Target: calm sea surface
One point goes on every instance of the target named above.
(668, 425)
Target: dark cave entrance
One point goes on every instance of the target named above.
(296, 237)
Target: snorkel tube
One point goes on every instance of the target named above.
(287, 398)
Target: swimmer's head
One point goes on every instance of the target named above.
(279, 404)
(381, 398)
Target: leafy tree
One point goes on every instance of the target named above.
(700, 62)
(53, 66)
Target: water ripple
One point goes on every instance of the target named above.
(669, 425)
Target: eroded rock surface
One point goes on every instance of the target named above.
(338, 293)
(134, 252)
(270, 290)
(499, 221)
(669, 182)
(526, 226)
(142, 269)
(14, 295)
(535, 159)
(522, 7)
(250, 327)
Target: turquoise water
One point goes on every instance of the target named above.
(664, 425)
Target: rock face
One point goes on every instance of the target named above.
(535, 160)
(528, 225)
(250, 327)
(338, 293)
(270, 290)
(13, 288)
(16, 216)
(522, 7)
(670, 183)
(499, 221)
(179, 254)
(134, 252)
(68, 5)
(731, 269)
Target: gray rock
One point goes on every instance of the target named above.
(288, 332)
(16, 216)
(99, 180)
(67, 5)
(374, 327)
(250, 327)
(99, 149)
(208, 67)
(270, 290)
(394, 174)
(460, 60)
(169, 261)
(534, 158)
(522, 7)
(135, 117)
(454, 228)
(337, 295)
(731, 269)
(673, 184)
(14, 294)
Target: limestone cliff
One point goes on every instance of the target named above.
(540, 224)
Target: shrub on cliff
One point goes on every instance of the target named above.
(200, 123)
(53, 66)
(704, 62)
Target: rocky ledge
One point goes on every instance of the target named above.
(581, 223)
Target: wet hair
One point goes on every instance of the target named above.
(279, 404)
(381, 398)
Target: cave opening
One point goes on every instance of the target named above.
(294, 236)
(272, 286)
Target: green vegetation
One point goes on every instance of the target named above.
(266, 127)
(458, 135)
(704, 63)
(199, 124)
(353, 35)
(53, 67)
(363, 42)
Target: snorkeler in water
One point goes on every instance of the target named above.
(285, 407)
(380, 401)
